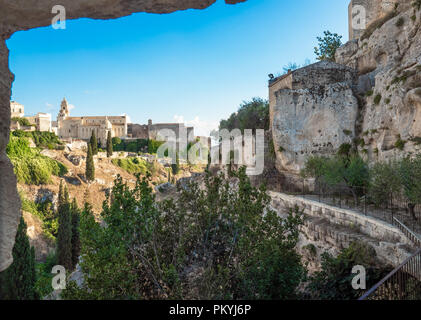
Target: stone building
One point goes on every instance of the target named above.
(17, 110)
(82, 127)
(39, 122)
(150, 131)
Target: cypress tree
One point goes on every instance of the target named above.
(64, 237)
(18, 281)
(75, 233)
(90, 167)
(94, 143)
(176, 166)
(109, 145)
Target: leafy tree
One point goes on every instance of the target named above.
(327, 46)
(252, 114)
(334, 281)
(109, 145)
(352, 171)
(18, 281)
(75, 233)
(64, 237)
(90, 166)
(94, 143)
(209, 243)
(384, 182)
(410, 177)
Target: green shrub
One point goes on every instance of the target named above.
(30, 166)
(45, 212)
(132, 165)
(344, 149)
(400, 22)
(400, 144)
(377, 99)
(387, 100)
(347, 132)
(369, 93)
(417, 4)
(22, 121)
(333, 282)
(42, 140)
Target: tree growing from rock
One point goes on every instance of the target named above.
(90, 166)
(64, 237)
(94, 144)
(18, 281)
(327, 46)
(109, 145)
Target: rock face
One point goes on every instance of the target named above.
(388, 60)
(313, 111)
(26, 14)
(371, 96)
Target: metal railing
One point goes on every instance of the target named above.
(403, 283)
(416, 239)
(359, 199)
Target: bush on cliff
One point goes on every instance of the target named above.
(30, 166)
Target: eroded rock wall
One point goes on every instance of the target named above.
(331, 229)
(313, 115)
(388, 60)
(19, 15)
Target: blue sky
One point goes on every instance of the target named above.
(195, 65)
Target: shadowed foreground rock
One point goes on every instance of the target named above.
(19, 15)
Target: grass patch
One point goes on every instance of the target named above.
(136, 166)
(45, 212)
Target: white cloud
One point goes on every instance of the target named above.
(201, 127)
(71, 106)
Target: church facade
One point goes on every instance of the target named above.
(82, 127)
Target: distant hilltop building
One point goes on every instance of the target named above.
(82, 127)
(17, 110)
(150, 130)
(39, 122)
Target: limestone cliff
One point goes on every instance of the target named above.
(388, 59)
(26, 14)
(313, 111)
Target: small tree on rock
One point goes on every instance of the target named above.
(94, 143)
(90, 167)
(328, 46)
(109, 145)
